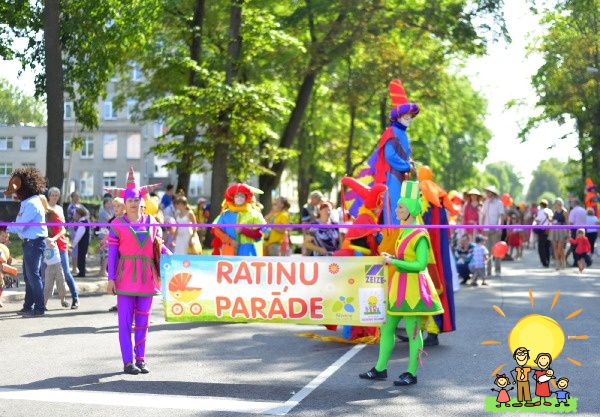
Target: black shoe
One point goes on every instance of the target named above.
(131, 369)
(24, 310)
(75, 304)
(80, 275)
(33, 314)
(374, 374)
(431, 340)
(143, 367)
(406, 379)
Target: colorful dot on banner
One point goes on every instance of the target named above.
(334, 268)
(186, 264)
(351, 281)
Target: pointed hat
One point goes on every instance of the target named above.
(400, 103)
(371, 196)
(131, 191)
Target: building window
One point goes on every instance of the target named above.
(28, 143)
(87, 152)
(131, 104)
(86, 184)
(134, 146)
(110, 113)
(136, 72)
(6, 143)
(159, 167)
(109, 179)
(109, 150)
(66, 148)
(196, 186)
(5, 169)
(28, 164)
(159, 129)
(68, 115)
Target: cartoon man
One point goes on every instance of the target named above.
(503, 397)
(542, 376)
(520, 377)
(562, 395)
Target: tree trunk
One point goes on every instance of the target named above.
(219, 179)
(54, 94)
(268, 183)
(185, 164)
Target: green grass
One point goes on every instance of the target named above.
(490, 406)
(16, 247)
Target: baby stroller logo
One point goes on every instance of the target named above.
(535, 342)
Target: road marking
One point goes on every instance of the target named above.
(177, 402)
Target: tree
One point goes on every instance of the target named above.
(547, 178)
(17, 108)
(508, 180)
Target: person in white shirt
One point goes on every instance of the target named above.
(493, 215)
(543, 218)
(578, 217)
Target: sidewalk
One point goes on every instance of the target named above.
(91, 283)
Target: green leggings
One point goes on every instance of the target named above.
(388, 340)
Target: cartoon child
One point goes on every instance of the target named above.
(520, 377)
(562, 395)
(503, 397)
(543, 375)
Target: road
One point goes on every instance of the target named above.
(68, 362)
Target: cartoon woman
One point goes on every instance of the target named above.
(542, 376)
(502, 382)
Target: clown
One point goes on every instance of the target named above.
(411, 293)
(363, 241)
(132, 273)
(392, 162)
(241, 240)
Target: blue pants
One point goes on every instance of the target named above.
(33, 253)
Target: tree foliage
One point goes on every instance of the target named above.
(18, 108)
(508, 181)
(547, 178)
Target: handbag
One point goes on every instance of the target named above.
(195, 247)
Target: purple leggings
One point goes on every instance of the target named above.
(127, 306)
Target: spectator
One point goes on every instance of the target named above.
(577, 217)
(543, 218)
(167, 198)
(471, 214)
(581, 251)
(202, 216)
(81, 239)
(493, 215)
(481, 256)
(53, 198)
(322, 241)
(183, 235)
(27, 184)
(591, 232)
(71, 219)
(558, 237)
(105, 215)
(463, 254)
(276, 237)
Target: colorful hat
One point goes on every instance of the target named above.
(238, 188)
(410, 196)
(589, 184)
(131, 191)
(372, 196)
(400, 103)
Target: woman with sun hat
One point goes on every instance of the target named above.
(411, 293)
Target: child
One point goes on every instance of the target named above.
(5, 261)
(480, 257)
(82, 239)
(582, 250)
(54, 273)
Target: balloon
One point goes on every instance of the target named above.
(424, 173)
(151, 206)
(500, 249)
(506, 200)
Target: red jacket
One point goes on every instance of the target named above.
(582, 245)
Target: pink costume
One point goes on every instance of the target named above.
(131, 266)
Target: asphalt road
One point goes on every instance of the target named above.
(68, 362)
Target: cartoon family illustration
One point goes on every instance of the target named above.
(521, 376)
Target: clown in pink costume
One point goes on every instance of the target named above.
(132, 275)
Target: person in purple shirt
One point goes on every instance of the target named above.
(27, 184)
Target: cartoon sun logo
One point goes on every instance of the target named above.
(186, 264)
(538, 333)
(334, 268)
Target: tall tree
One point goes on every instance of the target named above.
(16, 107)
(547, 178)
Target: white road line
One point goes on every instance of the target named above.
(177, 402)
(314, 384)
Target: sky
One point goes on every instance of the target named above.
(504, 74)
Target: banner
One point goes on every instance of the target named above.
(301, 290)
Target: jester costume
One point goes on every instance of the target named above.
(242, 214)
(411, 293)
(131, 267)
